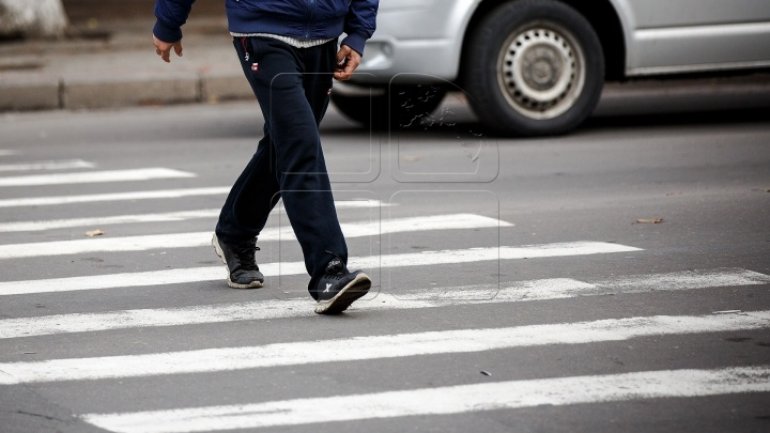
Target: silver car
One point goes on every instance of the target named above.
(537, 67)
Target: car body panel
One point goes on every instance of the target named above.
(424, 38)
(670, 36)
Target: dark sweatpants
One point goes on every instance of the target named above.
(292, 86)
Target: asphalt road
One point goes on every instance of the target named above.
(615, 279)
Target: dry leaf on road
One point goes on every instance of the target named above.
(649, 221)
(94, 233)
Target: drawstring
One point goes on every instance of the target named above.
(245, 49)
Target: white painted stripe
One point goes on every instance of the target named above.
(212, 273)
(126, 280)
(48, 165)
(94, 177)
(123, 196)
(284, 308)
(355, 204)
(373, 347)
(152, 195)
(685, 280)
(199, 239)
(522, 291)
(444, 400)
(33, 226)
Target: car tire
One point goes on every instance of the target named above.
(534, 67)
(399, 107)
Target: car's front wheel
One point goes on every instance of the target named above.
(534, 67)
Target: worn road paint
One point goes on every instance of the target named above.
(213, 273)
(200, 239)
(111, 197)
(141, 174)
(151, 195)
(34, 226)
(444, 400)
(373, 347)
(47, 165)
(521, 291)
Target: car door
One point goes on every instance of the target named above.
(667, 36)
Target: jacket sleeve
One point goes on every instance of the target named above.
(360, 23)
(171, 15)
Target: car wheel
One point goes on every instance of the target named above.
(534, 68)
(397, 107)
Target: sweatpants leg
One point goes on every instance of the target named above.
(253, 195)
(292, 87)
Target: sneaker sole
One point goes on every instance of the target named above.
(230, 283)
(355, 289)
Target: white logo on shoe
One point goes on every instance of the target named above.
(328, 286)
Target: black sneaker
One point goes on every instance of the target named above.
(242, 269)
(338, 288)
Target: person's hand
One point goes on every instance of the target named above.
(347, 62)
(163, 49)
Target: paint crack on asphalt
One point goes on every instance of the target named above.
(39, 415)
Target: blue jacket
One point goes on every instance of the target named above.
(304, 19)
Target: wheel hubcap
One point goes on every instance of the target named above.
(540, 71)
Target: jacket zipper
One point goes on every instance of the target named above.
(310, 10)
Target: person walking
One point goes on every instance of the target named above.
(289, 52)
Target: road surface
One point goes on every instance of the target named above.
(615, 279)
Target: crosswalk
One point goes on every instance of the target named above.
(47, 165)
(520, 291)
(360, 345)
(373, 347)
(444, 400)
(199, 239)
(212, 273)
(143, 174)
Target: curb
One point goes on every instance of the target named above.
(26, 94)
(41, 92)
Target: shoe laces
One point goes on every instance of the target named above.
(245, 252)
(335, 267)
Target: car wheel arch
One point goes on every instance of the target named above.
(530, 71)
(600, 13)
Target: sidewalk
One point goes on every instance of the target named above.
(109, 61)
(112, 64)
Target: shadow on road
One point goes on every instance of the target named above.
(638, 104)
(693, 118)
(472, 127)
